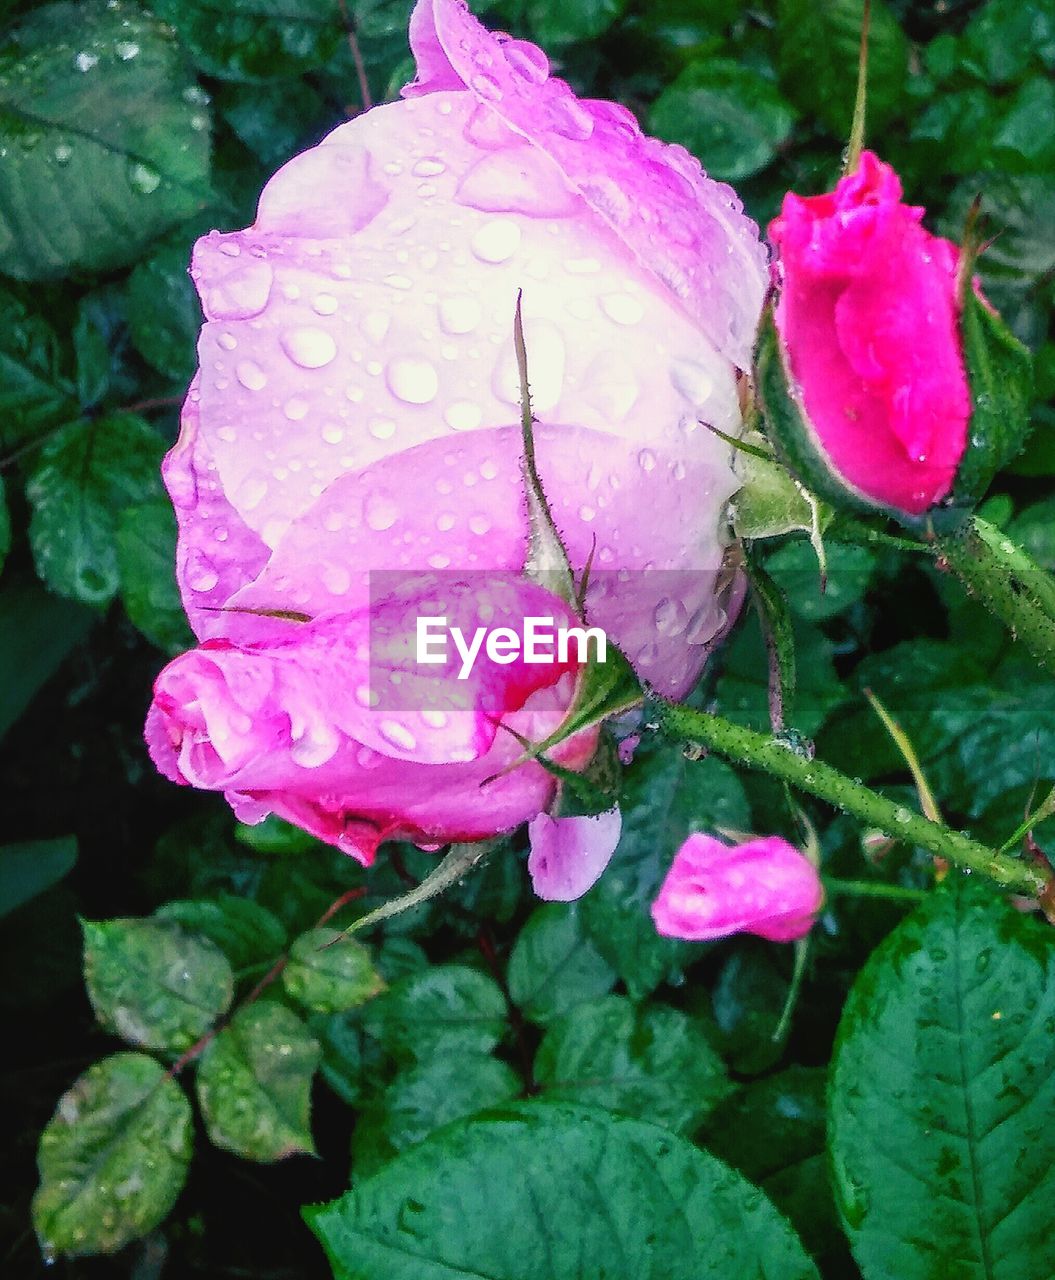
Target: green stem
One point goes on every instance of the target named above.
(871, 889)
(768, 755)
(993, 569)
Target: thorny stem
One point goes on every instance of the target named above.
(1014, 590)
(199, 1047)
(769, 755)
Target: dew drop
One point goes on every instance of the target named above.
(227, 341)
(429, 167)
(397, 281)
(250, 375)
(460, 314)
(412, 381)
(295, 409)
(85, 61)
(398, 735)
(143, 178)
(486, 86)
(463, 415)
(646, 460)
(251, 492)
(497, 240)
(336, 579)
(622, 308)
(126, 50)
(479, 525)
(333, 432)
(309, 347)
(63, 153)
(375, 325)
(324, 304)
(382, 428)
(381, 512)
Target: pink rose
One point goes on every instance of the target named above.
(765, 887)
(868, 317)
(355, 422)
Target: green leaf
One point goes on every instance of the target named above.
(5, 526)
(666, 797)
(145, 542)
(942, 1091)
(152, 984)
(649, 1061)
(773, 1132)
(245, 932)
(447, 1009)
(555, 965)
(35, 390)
(274, 126)
(37, 632)
(105, 134)
(573, 1193)
(163, 312)
(113, 1158)
(575, 20)
(254, 1084)
(849, 573)
(256, 39)
(330, 978)
(729, 115)
(748, 998)
(818, 47)
(92, 356)
(1005, 36)
(423, 1099)
(79, 484)
(32, 867)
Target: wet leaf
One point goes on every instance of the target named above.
(153, 984)
(254, 1084)
(577, 1192)
(330, 978)
(942, 1090)
(555, 965)
(106, 138)
(446, 1009)
(113, 1158)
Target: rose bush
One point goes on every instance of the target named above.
(355, 420)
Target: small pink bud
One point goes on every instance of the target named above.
(765, 887)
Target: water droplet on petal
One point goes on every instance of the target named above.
(412, 381)
(332, 432)
(250, 375)
(460, 314)
(324, 304)
(336, 579)
(381, 512)
(486, 86)
(375, 325)
(382, 428)
(430, 167)
(528, 59)
(463, 415)
(295, 409)
(693, 381)
(497, 240)
(398, 735)
(251, 492)
(646, 460)
(622, 308)
(309, 347)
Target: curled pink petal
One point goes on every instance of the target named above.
(766, 887)
(568, 855)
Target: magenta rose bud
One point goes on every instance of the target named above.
(765, 887)
(354, 427)
(870, 389)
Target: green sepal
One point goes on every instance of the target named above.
(1000, 375)
(789, 430)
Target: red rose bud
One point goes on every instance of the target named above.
(885, 383)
